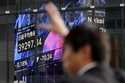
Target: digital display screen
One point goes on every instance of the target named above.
(40, 60)
(31, 41)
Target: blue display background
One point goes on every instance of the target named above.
(70, 18)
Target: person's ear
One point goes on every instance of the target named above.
(86, 51)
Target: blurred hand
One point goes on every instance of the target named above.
(57, 24)
(45, 26)
(52, 9)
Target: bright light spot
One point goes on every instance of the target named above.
(92, 6)
(35, 10)
(7, 12)
(63, 8)
(122, 5)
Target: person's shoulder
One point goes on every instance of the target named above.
(99, 74)
(120, 75)
(90, 79)
(122, 72)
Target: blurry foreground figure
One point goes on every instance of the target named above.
(84, 55)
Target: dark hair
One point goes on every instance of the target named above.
(81, 35)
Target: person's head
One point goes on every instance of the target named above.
(81, 46)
